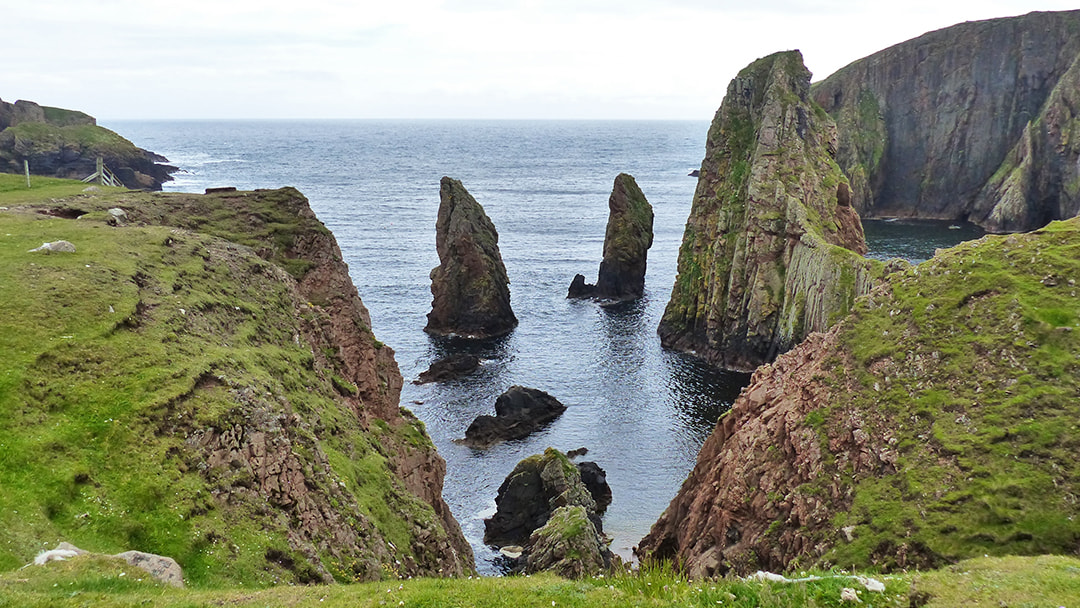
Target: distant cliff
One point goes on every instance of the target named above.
(66, 143)
(772, 246)
(201, 381)
(973, 121)
(937, 422)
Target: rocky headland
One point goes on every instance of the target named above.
(972, 122)
(772, 248)
(201, 382)
(66, 143)
(935, 423)
(627, 239)
(470, 290)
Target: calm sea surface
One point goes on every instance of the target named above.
(642, 412)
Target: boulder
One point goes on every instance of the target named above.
(626, 246)
(518, 412)
(772, 248)
(160, 568)
(470, 290)
(449, 368)
(55, 247)
(545, 511)
(595, 480)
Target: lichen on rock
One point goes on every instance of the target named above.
(772, 248)
(470, 289)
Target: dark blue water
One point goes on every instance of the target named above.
(642, 412)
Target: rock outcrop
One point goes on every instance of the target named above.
(544, 507)
(449, 368)
(161, 568)
(66, 143)
(255, 428)
(627, 240)
(519, 412)
(962, 123)
(772, 248)
(937, 422)
(470, 290)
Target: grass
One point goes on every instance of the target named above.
(1013, 581)
(119, 359)
(13, 190)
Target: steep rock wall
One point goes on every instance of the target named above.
(772, 248)
(935, 423)
(924, 124)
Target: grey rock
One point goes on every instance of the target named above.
(55, 246)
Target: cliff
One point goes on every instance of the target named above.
(926, 126)
(772, 248)
(470, 290)
(627, 239)
(202, 382)
(66, 143)
(937, 422)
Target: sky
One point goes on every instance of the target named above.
(491, 59)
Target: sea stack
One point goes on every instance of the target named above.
(627, 240)
(470, 290)
(772, 248)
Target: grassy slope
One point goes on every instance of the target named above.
(112, 355)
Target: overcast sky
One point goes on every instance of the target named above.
(436, 58)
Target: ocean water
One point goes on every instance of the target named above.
(641, 411)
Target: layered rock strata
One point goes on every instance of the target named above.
(470, 290)
(627, 240)
(772, 246)
(936, 423)
(67, 143)
(967, 122)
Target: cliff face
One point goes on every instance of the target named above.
(470, 290)
(771, 248)
(937, 422)
(258, 436)
(926, 124)
(66, 143)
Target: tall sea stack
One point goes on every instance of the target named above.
(627, 240)
(967, 122)
(470, 290)
(772, 247)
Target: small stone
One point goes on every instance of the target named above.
(847, 594)
(55, 246)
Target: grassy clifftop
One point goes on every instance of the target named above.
(169, 390)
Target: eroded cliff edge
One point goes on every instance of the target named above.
(937, 422)
(772, 248)
(930, 127)
(213, 392)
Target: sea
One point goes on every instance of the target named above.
(641, 411)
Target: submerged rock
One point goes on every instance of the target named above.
(772, 248)
(627, 240)
(470, 290)
(544, 507)
(518, 412)
(449, 368)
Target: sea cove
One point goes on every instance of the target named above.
(641, 411)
